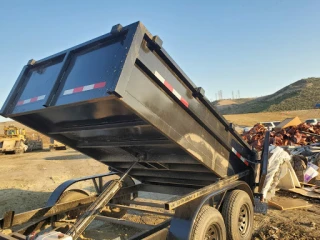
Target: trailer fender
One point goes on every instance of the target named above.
(182, 223)
(245, 187)
(55, 195)
(237, 185)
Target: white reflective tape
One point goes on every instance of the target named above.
(41, 97)
(241, 158)
(176, 94)
(159, 77)
(27, 101)
(67, 92)
(88, 87)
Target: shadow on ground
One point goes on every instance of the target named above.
(68, 157)
(21, 200)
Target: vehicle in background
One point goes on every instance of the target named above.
(55, 145)
(276, 123)
(268, 125)
(247, 129)
(312, 121)
(15, 140)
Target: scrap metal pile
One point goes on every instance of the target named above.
(302, 134)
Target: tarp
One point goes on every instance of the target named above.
(280, 173)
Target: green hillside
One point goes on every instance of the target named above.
(303, 94)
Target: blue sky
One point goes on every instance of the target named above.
(255, 47)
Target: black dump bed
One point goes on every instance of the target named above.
(120, 96)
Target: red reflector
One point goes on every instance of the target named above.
(78, 89)
(184, 102)
(168, 86)
(34, 99)
(100, 85)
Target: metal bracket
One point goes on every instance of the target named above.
(7, 220)
(31, 62)
(264, 160)
(116, 28)
(114, 93)
(157, 40)
(199, 92)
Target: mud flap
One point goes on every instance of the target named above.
(179, 229)
(260, 207)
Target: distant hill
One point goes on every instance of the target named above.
(301, 95)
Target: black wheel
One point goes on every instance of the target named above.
(237, 212)
(209, 224)
(72, 195)
(117, 212)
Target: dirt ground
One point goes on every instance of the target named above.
(27, 180)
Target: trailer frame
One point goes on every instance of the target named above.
(201, 156)
(28, 222)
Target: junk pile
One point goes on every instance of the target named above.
(290, 135)
(293, 169)
(280, 175)
(305, 162)
(294, 158)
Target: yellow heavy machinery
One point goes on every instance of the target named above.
(14, 140)
(55, 145)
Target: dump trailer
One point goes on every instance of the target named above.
(122, 100)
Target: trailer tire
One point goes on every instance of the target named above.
(237, 212)
(72, 195)
(209, 224)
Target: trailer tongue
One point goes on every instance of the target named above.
(120, 98)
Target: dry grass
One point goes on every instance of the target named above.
(302, 94)
(226, 102)
(250, 119)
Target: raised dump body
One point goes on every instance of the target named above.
(121, 96)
